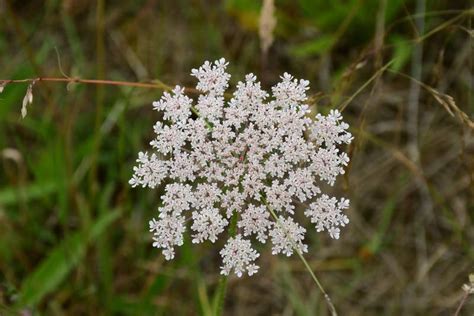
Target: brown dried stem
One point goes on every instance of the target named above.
(151, 85)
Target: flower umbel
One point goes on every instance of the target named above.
(243, 157)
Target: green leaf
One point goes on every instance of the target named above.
(316, 47)
(243, 5)
(247, 12)
(123, 305)
(402, 52)
(61, 260)
(376, 242)
(33, 191)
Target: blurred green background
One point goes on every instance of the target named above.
(74, 236)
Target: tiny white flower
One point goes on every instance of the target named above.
(330, 129)
(238, 255)
(207, 223)
(290, 92)
(149, 172)
(176, 106)
(206, 195)
(287, 236)
(256, 220)
(178, 197)
(167, 232)
(212, 77)
(327, 214)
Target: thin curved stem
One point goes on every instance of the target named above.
(152, 85)
(306, 264)
(461, 304)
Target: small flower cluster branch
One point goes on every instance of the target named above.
(468, 289)
(241, 157)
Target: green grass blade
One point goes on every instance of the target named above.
(61, 260)
(12, 195)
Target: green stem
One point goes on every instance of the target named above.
(306, 264)
(219, 297)
(100, 60)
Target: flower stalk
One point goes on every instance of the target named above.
(219, 298)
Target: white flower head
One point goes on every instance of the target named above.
(167, 232)
(256, 220)
(207, 223)
(176, 106)
(327, 214)
(212, 77)
(287, 236)
(238, 255)
(238, 157)
(149, 172)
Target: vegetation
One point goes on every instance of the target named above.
(74, 236)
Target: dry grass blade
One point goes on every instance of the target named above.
(444, 25)
(468, 31)
(2, 86)
(267, 25)
(378, 73)
(449, 104)
(445, 100)
(395, 152)
(28, 99)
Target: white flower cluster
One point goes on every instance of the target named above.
(239, 159)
